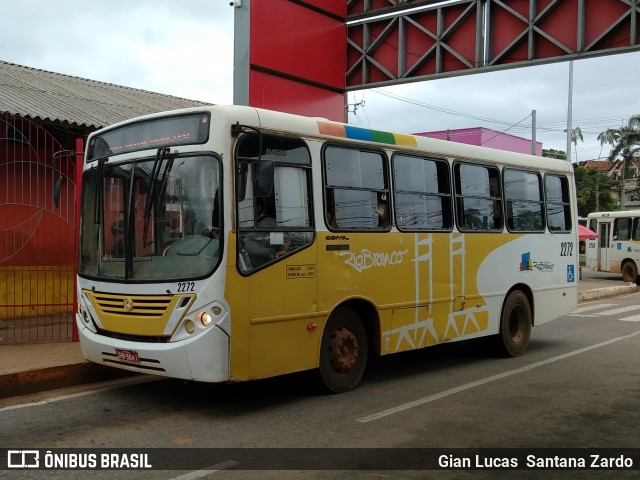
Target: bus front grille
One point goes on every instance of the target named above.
(141, 316)
(150, 306)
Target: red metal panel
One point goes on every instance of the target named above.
(334, 7)
(600, 16)
(78, 181)
(560, 23)
(300, 98)
(297, 41)
(444, 39)
(430, 36)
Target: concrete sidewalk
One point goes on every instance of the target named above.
(32, 368)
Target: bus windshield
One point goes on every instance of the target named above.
(151, 219)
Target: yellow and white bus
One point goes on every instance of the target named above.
(231, 243)
(617, 248)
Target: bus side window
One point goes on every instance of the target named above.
(557, 203)
(274, 226)
(422, 195)
(622, 229)
(356, 189)
(636, 229)
(478, 197)
(523, 196)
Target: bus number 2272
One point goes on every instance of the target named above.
(566, 249)
(186, 287)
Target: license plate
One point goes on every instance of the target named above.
(130, 356)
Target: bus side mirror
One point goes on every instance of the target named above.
(56, 187)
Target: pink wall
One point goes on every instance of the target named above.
(486, 138)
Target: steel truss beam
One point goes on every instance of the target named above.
(400, 41)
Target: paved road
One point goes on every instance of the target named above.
(577, 386)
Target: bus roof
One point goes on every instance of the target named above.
(617, 214)
(320, 127)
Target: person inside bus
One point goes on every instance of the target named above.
(382, 212)
(258, 244)
(285, 247)
(117, 231)
(331, 210)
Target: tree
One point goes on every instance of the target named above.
(625, 142)
(553, 153)
(593, 191)
(576, 134)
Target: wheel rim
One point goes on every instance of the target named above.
(344, 350)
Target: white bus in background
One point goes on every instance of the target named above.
(617, 249)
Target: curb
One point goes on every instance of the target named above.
(36, 381)
(607, 292)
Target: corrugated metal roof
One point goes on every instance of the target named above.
(43, 95)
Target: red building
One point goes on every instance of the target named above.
(45, 118)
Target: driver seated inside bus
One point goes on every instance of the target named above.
(117, 231)
(259, 245)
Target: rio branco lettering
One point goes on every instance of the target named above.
(367, 259)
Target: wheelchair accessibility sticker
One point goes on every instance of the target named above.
(571, 277)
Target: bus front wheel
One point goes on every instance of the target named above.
(344, 351)
(629, 272)
(515, 324)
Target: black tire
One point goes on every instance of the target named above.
(343, 351)
(629, 272)
(515, 325)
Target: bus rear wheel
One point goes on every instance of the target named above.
(515, 325)
(629, 272)
(344, 351)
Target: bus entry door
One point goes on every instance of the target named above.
(603, 251)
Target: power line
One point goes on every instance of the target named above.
(602, 123)
(436, 108)
(505, 131)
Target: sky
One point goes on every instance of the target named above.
(185, 49)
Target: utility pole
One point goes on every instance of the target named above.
(533, 133)
(569, 111)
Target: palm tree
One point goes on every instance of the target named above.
(576, 134)
(625, 142)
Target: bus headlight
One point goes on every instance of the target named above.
(205, 319)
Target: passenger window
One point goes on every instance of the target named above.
(356, 189)
(422, 196)
(622, 229)
(478, 197)
(558, 207)
(636, 229)
(523, 199)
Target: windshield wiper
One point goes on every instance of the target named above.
(97, 201)
(155, 173)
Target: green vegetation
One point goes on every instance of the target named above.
(625, 143)
(593, 191)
